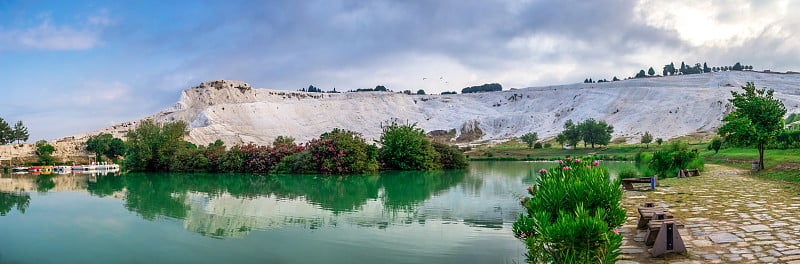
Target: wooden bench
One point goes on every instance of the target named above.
(688, 173)
(648, 213)
(664, 237)
(627, 183)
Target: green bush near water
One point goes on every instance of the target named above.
(572, 215)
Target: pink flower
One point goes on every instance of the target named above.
(595, 163)
(566, 168)
(616, 231)
(542, 171)
(529, 188)
(589, 166)
(560, 161)
(569, 159)
(578, 160)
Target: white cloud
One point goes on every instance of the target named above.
(47, 36)
(704, 23)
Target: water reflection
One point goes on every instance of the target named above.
(11, 200)
(233, 205)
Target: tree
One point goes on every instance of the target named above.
(716, 143)
(44, 151)
(659, 141)
(420, 92)
(530, 138)
(737, 67)
(99, 144)
(651, 72)
(647, 138)
(571, 133)
(756, 119)
(405, 147)
(683, 68)
(381, 88)
(151, 147)
(20, 132)
(594, 132)
(6, 133)
(640, 74)
(706, 68)
(672, 68)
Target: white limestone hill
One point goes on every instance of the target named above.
(667, 107)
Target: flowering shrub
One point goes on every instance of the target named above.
(343, 152)
(572, 215)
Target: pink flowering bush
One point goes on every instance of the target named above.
(343, 152)
(572, 215)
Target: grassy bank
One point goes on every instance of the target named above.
(780, 164)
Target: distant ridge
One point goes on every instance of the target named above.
(667, 107)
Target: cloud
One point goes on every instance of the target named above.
(48, 36)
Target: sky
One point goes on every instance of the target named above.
(70, 67)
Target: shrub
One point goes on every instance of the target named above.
(548, 145)
(537, 145)
(572, 215)
(342, 152)
(628, 173)
(450, 157)
(300, 163)
(405, 147)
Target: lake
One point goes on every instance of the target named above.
(392, 217)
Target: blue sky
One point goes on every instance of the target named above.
(75, 66)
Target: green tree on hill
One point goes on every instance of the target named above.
(45, 152)
(647, 138)
(756, 119)
(529, 138)
(6, 133)
(595, 132)
(651, 72)
(20, 132)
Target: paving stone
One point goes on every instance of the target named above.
(724, 238)
(631, 250)
(768, 259)
(755, 228)
(711, 256)
(792, 252)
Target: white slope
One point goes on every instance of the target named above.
(667, 107)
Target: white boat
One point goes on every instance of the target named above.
(62, 169)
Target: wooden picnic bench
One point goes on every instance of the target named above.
(627, 183)
(661, 230)
(688, 172)
(648, 213)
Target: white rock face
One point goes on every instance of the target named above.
(666, 107)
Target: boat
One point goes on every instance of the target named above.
(19, 169)
(62, 169)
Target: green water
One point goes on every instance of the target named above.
(393, 217)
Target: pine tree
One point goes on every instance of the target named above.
(20, 132)
(651, 72)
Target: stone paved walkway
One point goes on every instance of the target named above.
(729, 217)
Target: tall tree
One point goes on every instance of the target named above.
(641, 74)
(20, 132)
(706, 68)
(530, 138)
(755, 121)
(572, 134)
(6, 133)
(595, 132)
(647, 138)
(651, 72)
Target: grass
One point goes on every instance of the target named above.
(513, 150)
(780, 164)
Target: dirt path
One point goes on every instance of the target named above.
(729, 217)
